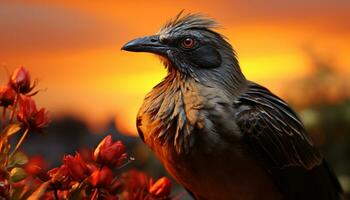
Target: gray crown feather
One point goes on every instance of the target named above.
(189, 21)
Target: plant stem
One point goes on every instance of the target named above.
(130, 159)
(20, 142)
(3, 117)
(14, 107)
(56, 195)
(94, 195)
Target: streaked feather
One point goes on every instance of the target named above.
(277, 138)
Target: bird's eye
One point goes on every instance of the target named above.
(188, 43)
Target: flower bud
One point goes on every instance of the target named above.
(109, 152)
(136, 184)
(161, 188)
(76, 167)
(35, 166)
(20, 80)
(60, 178)
(7, 96)
(101, 177)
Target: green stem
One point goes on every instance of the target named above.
(19, 142)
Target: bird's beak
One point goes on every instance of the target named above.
(146, 44)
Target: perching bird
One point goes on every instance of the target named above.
(218, 134)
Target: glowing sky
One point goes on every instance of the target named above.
(73, 47)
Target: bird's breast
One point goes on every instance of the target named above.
(175, 114)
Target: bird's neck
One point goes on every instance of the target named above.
(227, 77)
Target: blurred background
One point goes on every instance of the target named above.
(299, 49)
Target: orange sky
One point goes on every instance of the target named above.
(73, 47)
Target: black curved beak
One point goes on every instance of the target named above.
(146, 44)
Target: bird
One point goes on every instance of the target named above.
(218, 134)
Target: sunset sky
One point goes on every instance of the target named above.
(73, 47)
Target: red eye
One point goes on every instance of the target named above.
(188, 43)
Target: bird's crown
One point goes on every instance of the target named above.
(188, 21)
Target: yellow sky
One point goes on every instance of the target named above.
(73, 47)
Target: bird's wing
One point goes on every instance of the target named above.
(276, 136)
(270, 126)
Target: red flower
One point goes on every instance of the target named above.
(76, 167)
(92, 167)
(7, 96)
(30, 115)
(35, 165)
(135, 184)
(161, 188)
(20, 81)
(60, 178)
(109, 152)
(101, 177)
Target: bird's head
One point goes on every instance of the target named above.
(189, 46)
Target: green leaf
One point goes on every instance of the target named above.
(19, 159)
(17, 174)
(12, 129)
(39, 192)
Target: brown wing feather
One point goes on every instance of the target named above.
(273, 128)
(276, 136)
